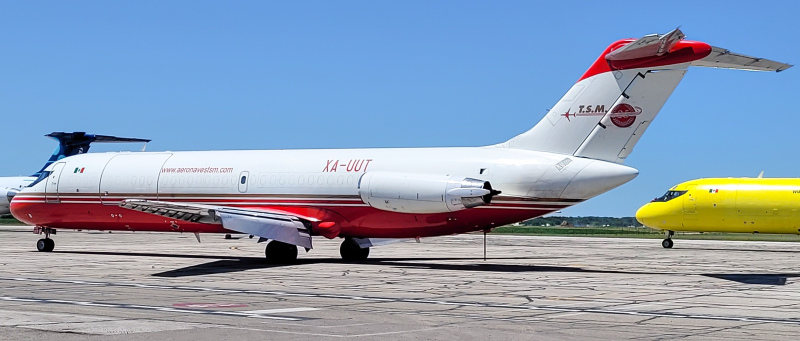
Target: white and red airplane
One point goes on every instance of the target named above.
(364, 195)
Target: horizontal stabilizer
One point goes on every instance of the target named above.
(78, 142)
(77, 138)
(725, 59)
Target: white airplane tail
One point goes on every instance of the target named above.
(606, 112)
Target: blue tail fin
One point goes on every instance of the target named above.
(78, 143)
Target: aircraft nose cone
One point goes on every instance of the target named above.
(644, 215)
(659, 215)
(21, 210)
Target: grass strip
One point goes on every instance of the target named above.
(636, 232)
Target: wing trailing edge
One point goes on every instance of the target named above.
(267, 224)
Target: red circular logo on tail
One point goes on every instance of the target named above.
(623, 115)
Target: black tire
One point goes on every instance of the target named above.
(41, 245)
(351, 252)
(280, 253)
(667, 243)
(45, 245)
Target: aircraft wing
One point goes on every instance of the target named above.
(725, 59)
(267, 224)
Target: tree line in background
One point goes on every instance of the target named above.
(583, 221)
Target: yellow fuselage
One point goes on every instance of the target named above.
(748, 205)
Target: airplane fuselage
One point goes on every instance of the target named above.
(84, 191)
(746, 205)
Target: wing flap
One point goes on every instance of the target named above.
(283, 229)
(268, 224)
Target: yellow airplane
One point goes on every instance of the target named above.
(745, 205)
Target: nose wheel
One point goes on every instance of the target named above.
(667, 242)
(45, 244)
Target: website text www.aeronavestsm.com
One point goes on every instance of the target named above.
(196, 170)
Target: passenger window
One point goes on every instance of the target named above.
(244, 179)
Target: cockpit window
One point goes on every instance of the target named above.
(669, 196)
(41, 177)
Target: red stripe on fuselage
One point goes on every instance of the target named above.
(237, 200)
(356, 221)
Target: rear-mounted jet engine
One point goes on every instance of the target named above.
(423, 193)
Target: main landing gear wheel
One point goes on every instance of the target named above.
(45, 245)
(280, 253)
(351, 252)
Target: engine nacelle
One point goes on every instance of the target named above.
(423, 193)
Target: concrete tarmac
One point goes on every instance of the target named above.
(149, 286)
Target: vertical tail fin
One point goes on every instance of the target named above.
(606, 112)
(78, 143)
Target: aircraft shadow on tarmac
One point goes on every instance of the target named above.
(763, 279)
(229, 264)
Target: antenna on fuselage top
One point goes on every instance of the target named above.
(761, 175)
(144, 146)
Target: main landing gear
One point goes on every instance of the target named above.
(45, 244)
(667, 242)
(352, 252)
(280, 252)
(284, 253)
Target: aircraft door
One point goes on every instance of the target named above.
(131, 176)
(51, 186)
(243, 179)
(690, 203)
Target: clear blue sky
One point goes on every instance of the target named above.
(198, 75)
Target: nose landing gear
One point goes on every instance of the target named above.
(45, 244)
(667, 242)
